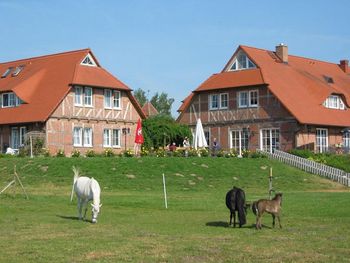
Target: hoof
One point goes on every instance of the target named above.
(94, 221)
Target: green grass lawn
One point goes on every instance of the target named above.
(134, 225)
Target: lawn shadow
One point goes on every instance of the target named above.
(68, 217)
(225, 224)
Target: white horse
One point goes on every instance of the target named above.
(87, 189)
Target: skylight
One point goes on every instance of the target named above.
(328, 79)
(7, 72)
(17, 70)
(88, 61)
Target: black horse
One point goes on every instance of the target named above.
(235, 201)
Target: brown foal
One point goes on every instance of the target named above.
(272, 207)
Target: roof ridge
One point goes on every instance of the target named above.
(289, 55)
(49, 55)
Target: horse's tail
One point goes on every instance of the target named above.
(76, 172)
(255, 208)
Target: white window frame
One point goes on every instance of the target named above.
(22, 133)
(242, 139)
(87, 137)
(110, 139)
(334, 102)
(78, 96)
(268, 139)
(108, 95)
(219, 101)
(15, 138)
(346, 139)
(107, 138)
(238, 65)
(248, 99)
(116, 138)
(321, 140)
(88, 96)
(88, 61)
(117, 99)
(211, 100)
(78, 136)
(222, 100)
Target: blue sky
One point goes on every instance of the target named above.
(172, 46)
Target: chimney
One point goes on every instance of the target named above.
(344, 65)
(282, 52)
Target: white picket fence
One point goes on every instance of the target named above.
(311, 166)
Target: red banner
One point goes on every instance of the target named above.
(138, 135)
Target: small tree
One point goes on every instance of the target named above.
(161, 130)
(140, 96)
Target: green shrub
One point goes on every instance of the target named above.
(60, 153)
(108, 152)
(75, 153)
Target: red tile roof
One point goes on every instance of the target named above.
(149, 109)
(232, 79)
(300, 85)
(46, 80)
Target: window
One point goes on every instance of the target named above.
(248, 99)
(112, 99)
(241, 61)
(207, 136)
(10, 100)
(77, 136)
(243, 99)
(116, 99)
(87, 137)
(253, 97)
(214, 102)
(224, 100)
(106, 138)
(82, 137)
(78, 97)
(334, 102)
(321, 140)
(116, 138)
(108, 98)
(7, 72)
(239, 140)
(89, 61)
(14, 142)
(83, 96)
(22, 133)
(111, 137)
(218, 101)
(269, 139)
(88, 96)
(17, 70)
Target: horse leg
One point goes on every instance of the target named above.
(279, 220)
(234, 218)
(85, 204)
(230, 218)
(79, 208)
(273, 220)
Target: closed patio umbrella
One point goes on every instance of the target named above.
(199, 136)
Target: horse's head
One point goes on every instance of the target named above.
(95, 210)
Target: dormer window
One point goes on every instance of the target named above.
(7, 72)
(241, 61)
(10, 100)
(88, 61)
(334, 102)
(17, 70)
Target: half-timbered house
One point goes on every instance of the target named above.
(272, 100)
(68, 99)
